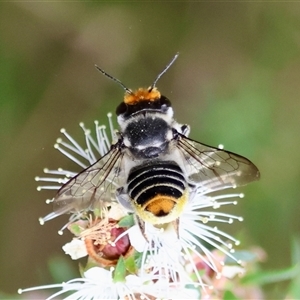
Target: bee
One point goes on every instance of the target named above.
(153, 169)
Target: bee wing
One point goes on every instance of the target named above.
(92, 186)
(214, 169)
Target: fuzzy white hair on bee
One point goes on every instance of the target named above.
(153, 169)
(147, 114)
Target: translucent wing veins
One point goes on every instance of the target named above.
(214, 168)
(91, 187)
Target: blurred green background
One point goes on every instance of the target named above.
(236, 82)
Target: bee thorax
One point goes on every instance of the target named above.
(147, 137)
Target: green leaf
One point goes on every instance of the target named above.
(120, 271)
(75, 228)
(296, 250)
(127, 221)
(130, 264)
(266, 277)
(61, 269)
(81, 269)
(97, 212)
(294, 287)
(228, 295)
(138, 259)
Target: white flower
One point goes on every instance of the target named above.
(98, 283)
(82, 156)
(174, 255)
(116, 212)
(76, 249)
(161, 252)
(195, 233)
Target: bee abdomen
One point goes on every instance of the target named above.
(156, 186)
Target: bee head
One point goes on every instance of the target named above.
(145, 118)
(143, 100)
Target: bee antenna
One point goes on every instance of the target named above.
(127, 90)
(164, 71)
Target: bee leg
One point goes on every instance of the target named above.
(141, 225)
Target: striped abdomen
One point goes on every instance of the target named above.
(158, 191)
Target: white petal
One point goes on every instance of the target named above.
(76, 249)
(133, 280)
(97, 273)
(137, 240)
(116, 212)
